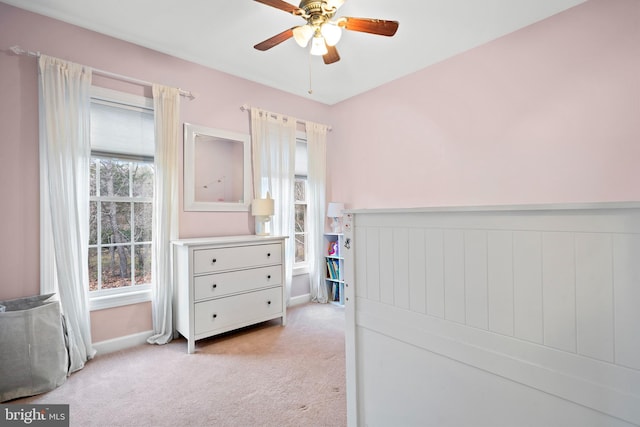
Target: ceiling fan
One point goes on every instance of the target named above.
(323, 33)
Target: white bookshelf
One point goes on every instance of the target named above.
(334, 267)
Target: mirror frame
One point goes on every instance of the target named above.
(191, 132)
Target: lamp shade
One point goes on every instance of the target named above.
(262, 207)
(335, 210)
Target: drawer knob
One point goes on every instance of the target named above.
(268, 254)
(214, 286)
(268, 277)
(213, 261)
(269, 302)
(215, 315)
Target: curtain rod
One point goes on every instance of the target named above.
(20, 51)
(245, 107)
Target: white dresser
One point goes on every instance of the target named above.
(226, 283)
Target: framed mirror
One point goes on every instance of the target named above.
(217, 169)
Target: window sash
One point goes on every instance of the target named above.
(305, 232)
(100, 246)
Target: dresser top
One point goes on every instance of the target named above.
(248, 238)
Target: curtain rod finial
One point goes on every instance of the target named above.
(189, 94)
(17, 50)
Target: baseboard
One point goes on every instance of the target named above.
(299, 300)
(121, 343)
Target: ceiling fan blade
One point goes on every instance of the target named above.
(371, 26)
(275, 40)
(279, 4)
(331, 56)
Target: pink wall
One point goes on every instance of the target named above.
(217, 105)
(548, 114)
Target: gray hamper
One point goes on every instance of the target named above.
(33, 353)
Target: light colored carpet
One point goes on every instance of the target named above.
(267, 375)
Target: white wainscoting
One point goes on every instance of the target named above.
(545, 299)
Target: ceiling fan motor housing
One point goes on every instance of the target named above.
(316, 12)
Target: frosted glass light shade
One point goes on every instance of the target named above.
(331, 33)
(303, 34)
(318, 47)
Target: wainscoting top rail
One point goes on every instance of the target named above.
(505, 208)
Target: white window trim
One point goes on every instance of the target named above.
(142, 293)
(137, 294)
(302, 268)
(126, 99)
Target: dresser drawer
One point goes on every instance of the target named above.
(220, 259)
(243, 309)
(221, 284)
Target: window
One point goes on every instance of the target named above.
(301, 205)
(301, 231)
(120, 199)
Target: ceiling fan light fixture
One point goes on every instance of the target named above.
(303, 34)
(331, 33)
(318, 46)
(322, 27)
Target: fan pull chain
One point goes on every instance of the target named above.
(310, 89)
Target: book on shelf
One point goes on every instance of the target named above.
(335, 292)
(333, 269)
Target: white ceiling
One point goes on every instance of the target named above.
(220, 34)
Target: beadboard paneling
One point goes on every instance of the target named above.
(594, 296)
(417, 271)
(527, 281)
(454, 287)
(627, 300)
(476, 277)
(434, 263)
(559, 289)
(500, 267)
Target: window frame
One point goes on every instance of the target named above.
(135, 294)
(302, 267)
(301, 173)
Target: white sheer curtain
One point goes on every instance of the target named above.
(65, 152)
(166, 102)
(316, 182)
(274, 147)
